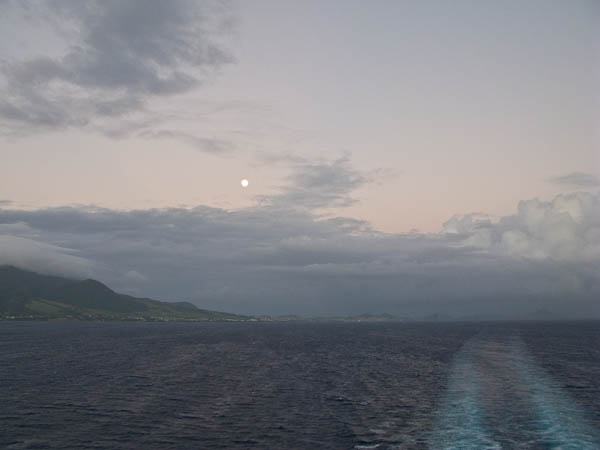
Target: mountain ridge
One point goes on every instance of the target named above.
(29, 295)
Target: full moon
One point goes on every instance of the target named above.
(244, 183)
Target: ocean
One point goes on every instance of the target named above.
(79, 385)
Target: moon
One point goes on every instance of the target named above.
(244, 183)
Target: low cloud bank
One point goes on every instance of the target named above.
(270, 260)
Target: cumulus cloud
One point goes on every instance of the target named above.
(567, 229)
(118, 55)
(274, 260)
(576, 179)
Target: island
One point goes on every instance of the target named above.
(26, 295)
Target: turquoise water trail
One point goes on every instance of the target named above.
(460, 419)
(559, 421)
(497, 397)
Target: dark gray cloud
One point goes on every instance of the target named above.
(313, 185)
(576, 179)
(207, 145)
(119, 54)
(276, 260)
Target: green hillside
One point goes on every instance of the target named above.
(29, 295)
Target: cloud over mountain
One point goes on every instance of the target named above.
(41, 257)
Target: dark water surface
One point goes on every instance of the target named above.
(299, 385)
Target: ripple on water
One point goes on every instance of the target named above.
(335, 386)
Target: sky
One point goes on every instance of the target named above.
(402, 157)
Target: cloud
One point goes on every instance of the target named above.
(314, 185)
(288, 260)
(43, 258)
(567, 229)
(119, 55)
(576, 179)
(207, 145)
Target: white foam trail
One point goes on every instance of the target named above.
(559, 420)
(459, 421)
(551, 419)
